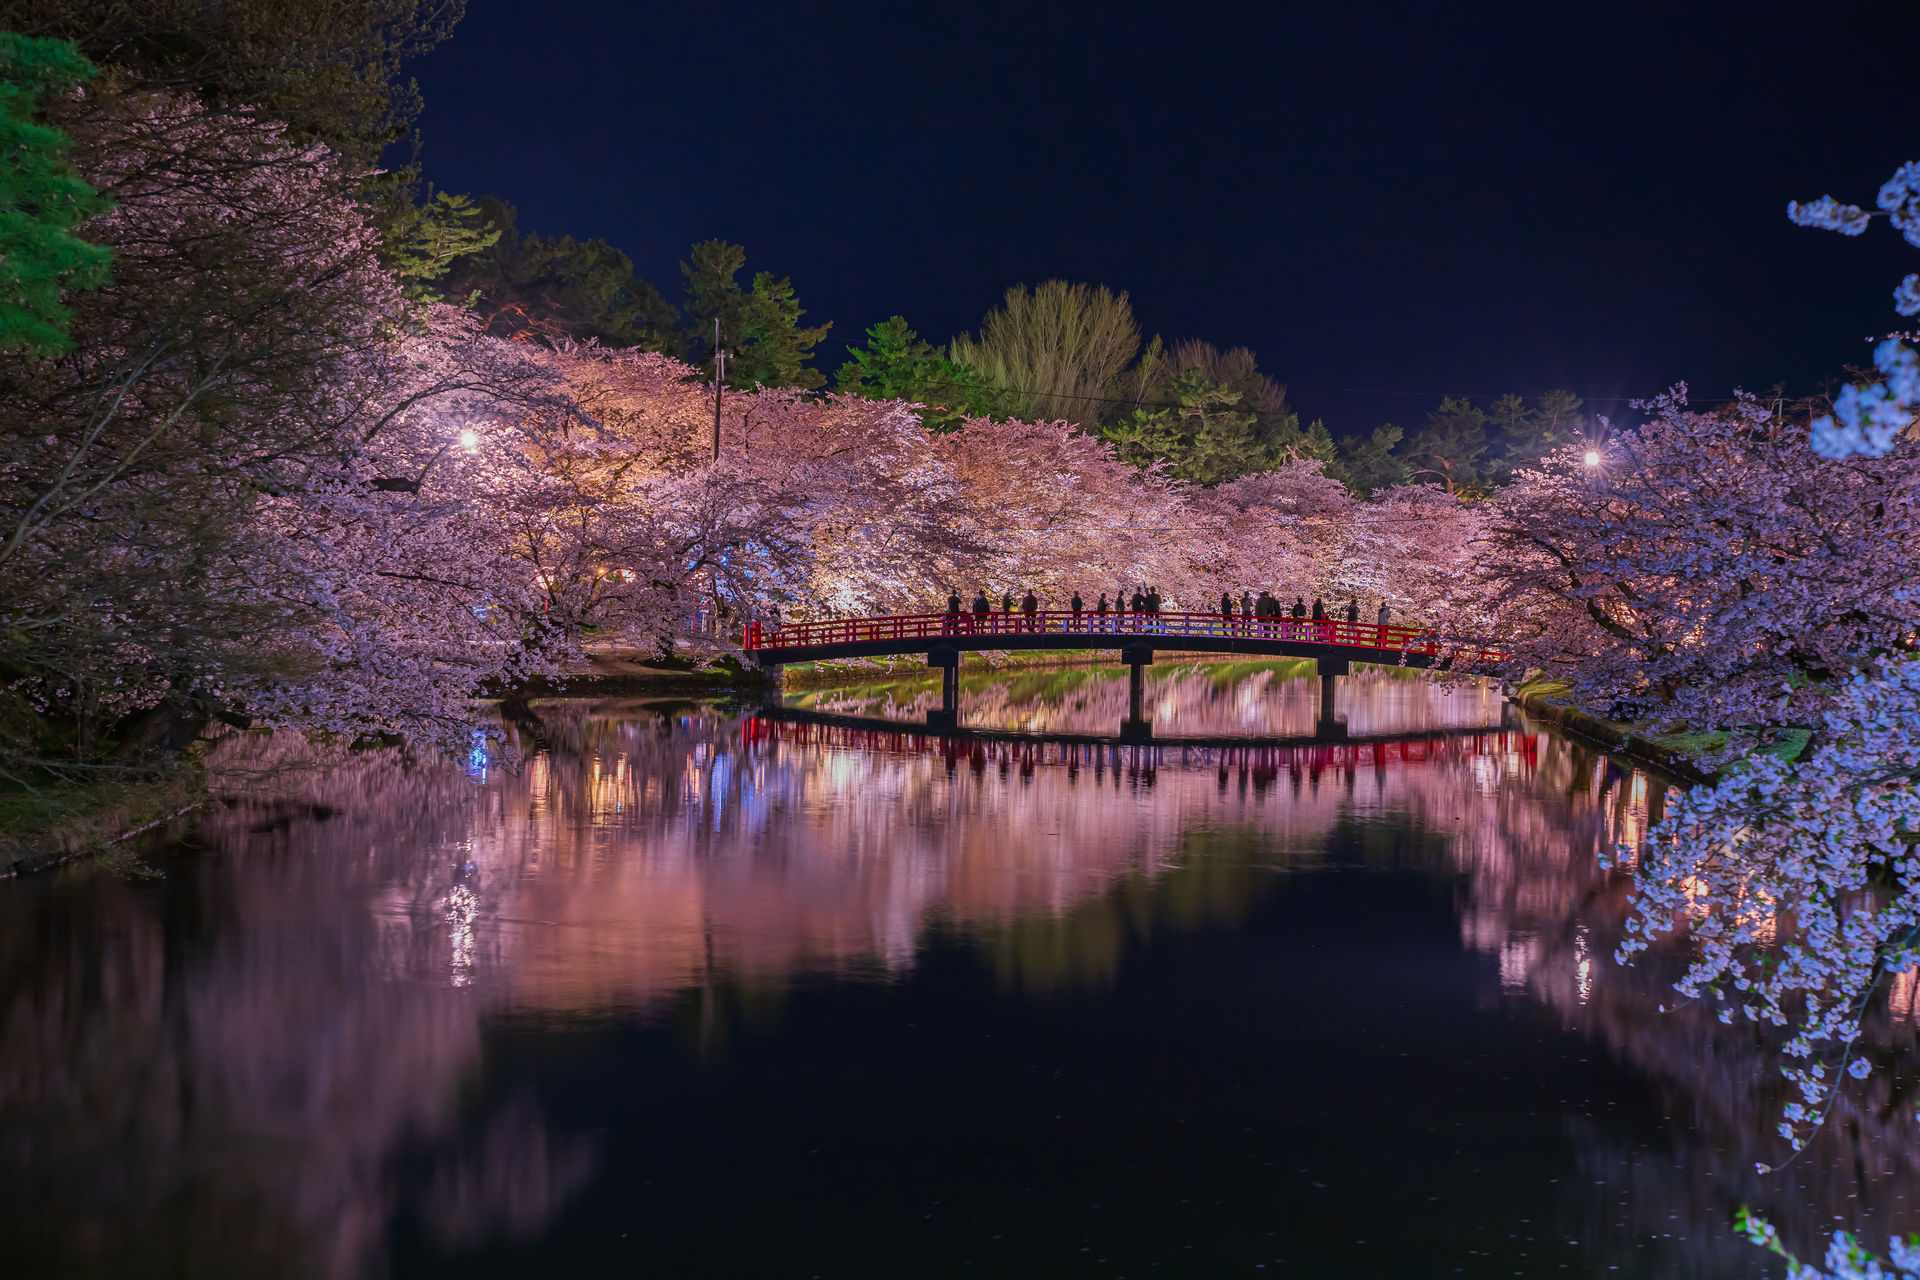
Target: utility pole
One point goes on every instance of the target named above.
(719, 385)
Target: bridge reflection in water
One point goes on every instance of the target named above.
(1334, 646)
(1258, 759)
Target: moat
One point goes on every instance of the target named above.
(687, 989)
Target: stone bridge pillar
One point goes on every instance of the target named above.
(1138, 657)
(947, 658)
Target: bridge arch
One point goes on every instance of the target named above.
(944, 637)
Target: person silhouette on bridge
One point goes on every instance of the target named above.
(1319, 609)
(1029, 606)
(950, 624)
(1353, 609)
(1226, 604)
(1006, 602)
(1383, 615)
(1138, 604)
(1079, 607)
(1299, 606)
(1100, 613)
(1246, 604)
(981, 608)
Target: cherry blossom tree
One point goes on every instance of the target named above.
(242, 490)
(1746, 569)
(264, 484)
(1709, 571)
(1868, 418)
(1056, 511)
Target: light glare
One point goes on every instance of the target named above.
(1593, 458)
(469, 440)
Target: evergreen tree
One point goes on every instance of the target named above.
(1557, 420)
(711, 293)
(771, 349)
(329, 69)
(423, 244)
(42, 198)
(1451, 450)
(896, 365)
(1526, 433)
(1206, 436)
(1367, 464)
(759, 328)
(527, 283)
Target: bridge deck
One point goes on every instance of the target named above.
(1062, 629)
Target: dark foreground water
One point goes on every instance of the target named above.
(698, 994)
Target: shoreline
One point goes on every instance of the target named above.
(1611, 738)
(99, 821)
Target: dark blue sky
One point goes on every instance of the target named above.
(1386, 203)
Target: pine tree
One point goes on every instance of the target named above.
(42, 198)
(770, 347)
(1367, 464)
(1451, 450)
(1206, 435)
(422, 246)
(528, 283)
(896, 365)
(759, 329)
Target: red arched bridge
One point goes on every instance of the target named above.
(943, 637)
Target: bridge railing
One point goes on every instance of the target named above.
(935, 627)
(1414, 749)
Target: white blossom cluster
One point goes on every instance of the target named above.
(1821, 854)
(1867, 419)
(1846, 1258)
(1828, 214)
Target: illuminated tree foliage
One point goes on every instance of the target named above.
(896, 365)
(423, 243)
(1747, 568)
(1059, 351)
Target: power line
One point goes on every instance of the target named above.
(1376, 391)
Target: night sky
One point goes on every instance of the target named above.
(1387, 204)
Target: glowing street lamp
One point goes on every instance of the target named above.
(1593, 458)
(469, 440)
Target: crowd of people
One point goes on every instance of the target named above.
(1145, 604)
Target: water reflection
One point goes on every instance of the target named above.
(287, 1055)
(1192, 699)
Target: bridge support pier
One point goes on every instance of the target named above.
(1331, 669)
(1136, 728)
(947, 658)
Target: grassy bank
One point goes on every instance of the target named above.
(615, 670)
(58, 822)
(1694, 756)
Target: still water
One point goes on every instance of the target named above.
(689, 990)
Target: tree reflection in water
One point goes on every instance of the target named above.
(267, 1059)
